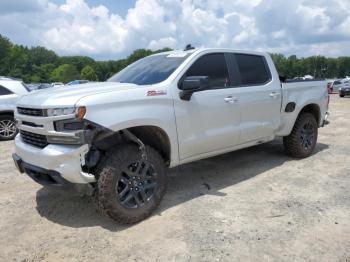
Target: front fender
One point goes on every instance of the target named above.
(118, 113)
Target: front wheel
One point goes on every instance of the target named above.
(303, 138)
(341, 95)
(129, 187)
(8, 129)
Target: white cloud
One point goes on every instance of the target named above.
(161, 43)
(303, 27)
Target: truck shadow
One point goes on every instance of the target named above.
(186, 182)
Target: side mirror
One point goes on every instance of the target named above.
(193, 84)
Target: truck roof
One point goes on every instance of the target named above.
(199, 50)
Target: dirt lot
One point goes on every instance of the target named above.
(251, 205)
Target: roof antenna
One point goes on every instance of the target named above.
(189, 47)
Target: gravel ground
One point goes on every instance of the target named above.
(254, 204)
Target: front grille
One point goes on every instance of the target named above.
(30, 111)
(34, 139)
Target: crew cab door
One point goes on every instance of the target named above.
(259, 96)
(209, 121)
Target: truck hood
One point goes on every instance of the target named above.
(69, 95)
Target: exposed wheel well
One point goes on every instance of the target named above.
(149, 135)
(314, 109)
(154, 137)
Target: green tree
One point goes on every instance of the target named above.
(5, 53)
(65, 73)
(88, 73)
(40, 55)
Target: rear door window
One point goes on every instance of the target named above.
(4, 91)
(253, 69)
(214, 66)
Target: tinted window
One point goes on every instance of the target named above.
(212, 65)
(149, 70)
(4, 91)
(337, 82)
(253, 69)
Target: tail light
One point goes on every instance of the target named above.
(328, 102)
(329, 88)
(328, 96)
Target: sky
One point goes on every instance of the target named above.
(113, 29)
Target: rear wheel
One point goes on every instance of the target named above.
(130, 188)
(341, 95)
(8, 129)
(302, 141)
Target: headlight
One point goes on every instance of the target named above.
(60, 111)
(64, 111)
(339, 89)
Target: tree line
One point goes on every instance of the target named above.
(40, 65)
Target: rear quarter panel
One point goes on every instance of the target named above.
(303, 94)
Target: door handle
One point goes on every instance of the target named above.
(274, 94)
(230, 99)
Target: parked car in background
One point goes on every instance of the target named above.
(340, 83)
(345, 90)
(56, 84)
(78, 82)
(44, 86)
(32, 86)
(10, 90)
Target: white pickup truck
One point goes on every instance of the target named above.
(116, 139)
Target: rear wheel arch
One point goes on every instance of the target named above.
(313, 109)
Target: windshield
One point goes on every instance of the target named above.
(150, 70)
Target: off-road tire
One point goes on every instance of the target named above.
(293, 142)
(7, 118)
(110, 171)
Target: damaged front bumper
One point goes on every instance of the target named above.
(65, 161)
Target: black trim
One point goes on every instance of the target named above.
(31, 111)
(18, 163)
(31, 124)
(33, 139)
